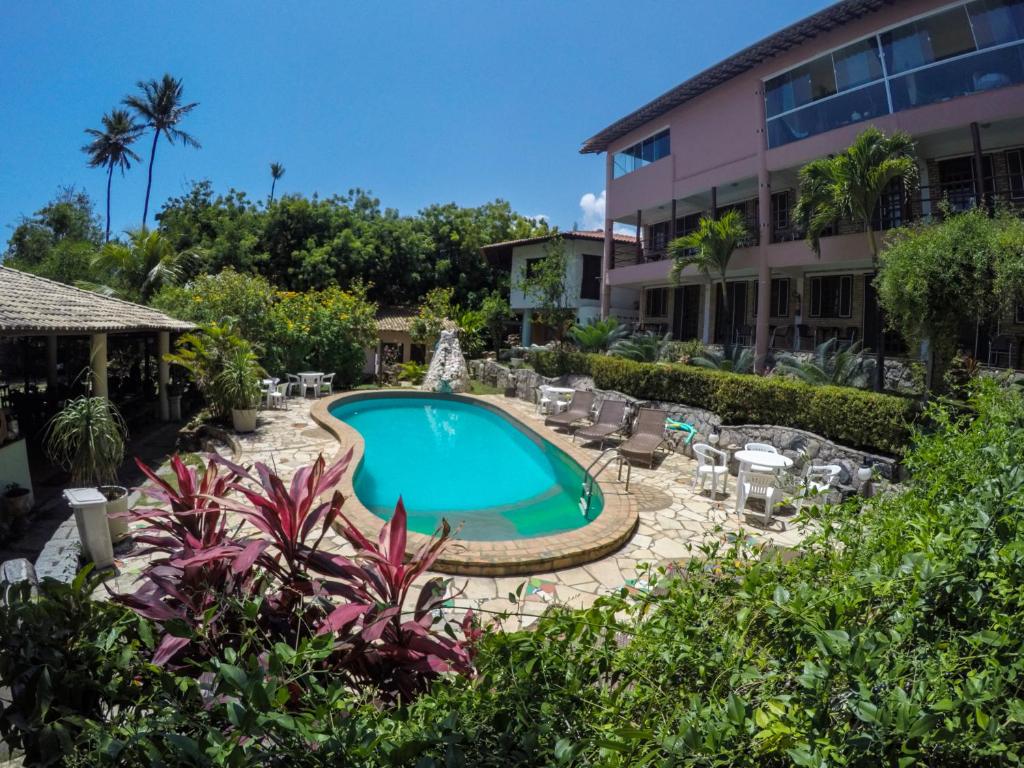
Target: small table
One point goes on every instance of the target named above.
(773, 461)
(561, 395)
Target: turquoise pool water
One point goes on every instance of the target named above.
(463, 462)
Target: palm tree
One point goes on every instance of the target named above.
(710, 248)
(137, 269)
(733, 358)
(276, 172)
(161, 107)
(598, 335)
(111, 148)
(830, 365)
(849, 185)
(643, 347)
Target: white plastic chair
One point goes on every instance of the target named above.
(326, 384)
(758, 485)
(818, 480)
(711, 465)
(309, 381)
(762, 447)
(544, 398)
(278, 395)
(294, 385)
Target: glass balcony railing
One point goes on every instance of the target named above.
(828, 114)
(974, 73)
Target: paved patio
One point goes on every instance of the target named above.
(674, 520)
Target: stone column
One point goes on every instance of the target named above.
(51, 365)
(98, 363)
(163, 346)
(607, 256)
(527, 328)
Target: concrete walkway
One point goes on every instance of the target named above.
(674, 522)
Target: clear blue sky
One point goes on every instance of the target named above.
(417, 102)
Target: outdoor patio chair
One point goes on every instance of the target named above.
(309, 382)
(579, 408)
(546, 400)
(611, 418)
(818, 480)
(1000, 352)
(758, 485)
(277, 397)
(766, 448)
(712, 464)
(294, 385)
(326, 384)
(648, 437)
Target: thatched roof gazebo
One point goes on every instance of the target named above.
(32, 306)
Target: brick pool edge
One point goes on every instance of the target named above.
(612, 528)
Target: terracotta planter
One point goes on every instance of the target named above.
(244, 420)
(117, 502)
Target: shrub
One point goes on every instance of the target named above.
(412, 372)
(559, 362)
(848, 416)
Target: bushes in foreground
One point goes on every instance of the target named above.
(893, 640)
(849, 416)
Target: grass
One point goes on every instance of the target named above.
(479, 388)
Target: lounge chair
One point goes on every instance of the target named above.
(579, 409)
(611, 417)
(648, 437)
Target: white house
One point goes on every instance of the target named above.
(582, 279)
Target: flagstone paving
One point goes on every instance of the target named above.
(674, 520)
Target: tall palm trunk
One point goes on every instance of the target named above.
(110, 176)
(272, 185)
(149, 179)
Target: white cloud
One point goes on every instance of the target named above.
(539, 218)
(593, 210)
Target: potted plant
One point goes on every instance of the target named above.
(237, 388)
(16, 503)
(87, 439)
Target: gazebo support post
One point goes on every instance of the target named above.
(98, 362)
(51, 366)
(163, 347)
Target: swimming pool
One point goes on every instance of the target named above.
(456, 459)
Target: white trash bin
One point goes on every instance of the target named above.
(91, 516)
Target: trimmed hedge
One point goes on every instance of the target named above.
(851, 417)
(559, 362)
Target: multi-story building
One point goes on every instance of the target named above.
(736, 135)
(582, 279)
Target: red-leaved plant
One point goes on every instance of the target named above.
(206, 570)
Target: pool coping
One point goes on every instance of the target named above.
(607, 533)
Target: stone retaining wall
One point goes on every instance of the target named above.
(801, 446)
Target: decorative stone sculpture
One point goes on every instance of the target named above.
(448, 371)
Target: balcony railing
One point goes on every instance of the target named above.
(893, 211)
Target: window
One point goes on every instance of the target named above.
(780, 297)
(1015, 170)
(656, 302)
(659, 236)
(781, 213)
(832, 296)
(1018, 315)
(688, 223)
(590, 286)
(642, 153)
(956, 181)
(532, 265)
(972, 47)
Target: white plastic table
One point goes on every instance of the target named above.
(773, 461)
(310, 380)
(562, 396)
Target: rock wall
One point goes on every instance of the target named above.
(448, 371)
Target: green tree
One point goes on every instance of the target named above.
(848, 186)
(276, 172)
(543, 281)
(709, 248)
(935, 277)
(434, 312)
(137, 269)
(496, 312)
(161, 106)
(830, 365)
(58, 241)
(110, 148)
(733, 358)
(598, 335)
(644, 347)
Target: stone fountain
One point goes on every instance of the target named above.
(448, 371)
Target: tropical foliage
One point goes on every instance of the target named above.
(830, 364)
(86, 438)
(137, 269)
(237, 386)
(598, 335)
(543, 282)
(935, 277)
(849, 186)
(733, 358)
(204, 354)
(709, 248)
(110, 148)
(644, 347)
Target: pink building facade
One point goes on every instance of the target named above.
(737, 134)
